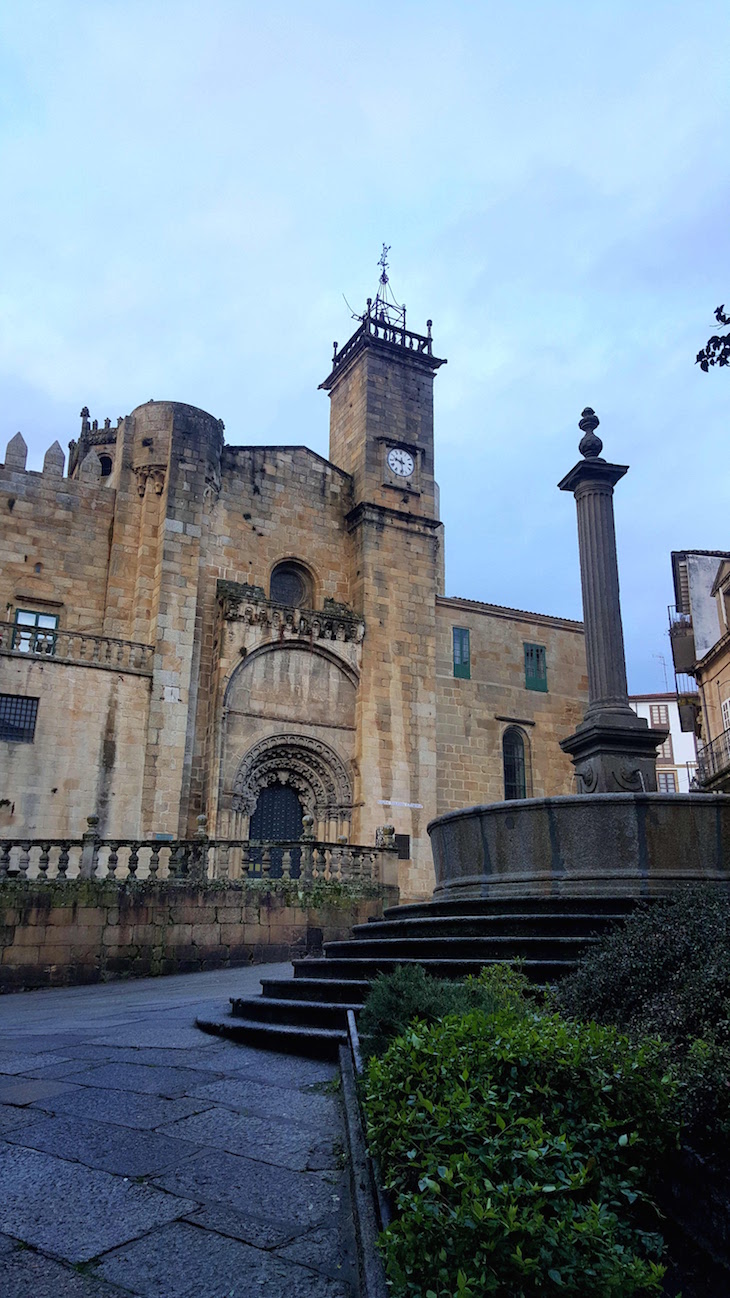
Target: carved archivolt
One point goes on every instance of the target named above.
(310, 767)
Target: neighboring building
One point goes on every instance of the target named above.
(699, 628)
(254, 633)
(676, 761)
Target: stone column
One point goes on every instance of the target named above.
(613, 750)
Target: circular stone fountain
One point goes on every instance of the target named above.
(628, 845)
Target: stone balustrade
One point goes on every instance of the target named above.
(201, 858)
(77, 647)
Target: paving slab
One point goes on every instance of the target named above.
(122, 1108)
(246, 1225)
(215, 1176)
(58, 1071)
(187, 1262)
(100, 1145)
(11, 1118)
(167, 1080)
(26, 1274)
(294, 1071)
(28, 1060)
(286, 1144)
(73, 1212)
(325, 1249)
(241, 1093)
(23, 1090)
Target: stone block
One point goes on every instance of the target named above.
(208, 935)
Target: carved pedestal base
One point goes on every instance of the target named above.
(614, 752)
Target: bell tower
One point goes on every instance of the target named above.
(381, 415)
(381, 433)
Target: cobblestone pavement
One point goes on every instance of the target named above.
(139, 1156)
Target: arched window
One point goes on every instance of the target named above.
(291, 584)
(106, 465)
(514, 763)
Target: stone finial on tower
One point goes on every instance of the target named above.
(16, 453)
(612, 749)
(54, 460)
(85, 425)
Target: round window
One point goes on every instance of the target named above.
(290, 585)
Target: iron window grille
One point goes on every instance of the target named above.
(462, 658)
(535, 667)
(17, 718)
(515, 768)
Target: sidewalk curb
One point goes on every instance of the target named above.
(368, 1212)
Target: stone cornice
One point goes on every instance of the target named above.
(368, 512)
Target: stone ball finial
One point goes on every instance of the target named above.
(589, 445)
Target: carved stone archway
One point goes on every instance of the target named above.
(310, 767)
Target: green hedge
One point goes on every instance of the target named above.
(520, 1151)
(666, 972)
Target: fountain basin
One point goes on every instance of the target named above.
(594, 845)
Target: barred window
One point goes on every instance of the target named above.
(535, 667)
(17, 718)
(514, 764)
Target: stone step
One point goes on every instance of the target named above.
(518, 925)
(461, 948)
(318, 1043)
(539, 971)
(297, 1013)
(608, 906)
(351, 991)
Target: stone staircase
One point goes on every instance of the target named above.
(307, 1013)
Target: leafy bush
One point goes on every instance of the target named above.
(520, 1150)
(409, 992)
(666, 973)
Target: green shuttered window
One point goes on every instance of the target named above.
(535, 668)
(462, 660)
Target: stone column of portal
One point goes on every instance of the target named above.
(613, 750)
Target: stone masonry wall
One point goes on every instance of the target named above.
(86, 931)
(54, 546)
(85, 757)
(472, 715)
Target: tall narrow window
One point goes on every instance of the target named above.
(35, 632)
(513, 760)
(535, 667)
(462, 659)
(726, 714)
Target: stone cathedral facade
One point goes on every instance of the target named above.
(255, 633)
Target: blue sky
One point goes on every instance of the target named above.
(190, 188)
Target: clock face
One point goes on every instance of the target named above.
(401, 463)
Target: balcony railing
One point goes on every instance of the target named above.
(198, 859)
(714, 758)
(682, 639)
(77, 647)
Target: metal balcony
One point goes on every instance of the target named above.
(713, 760)
(682, 639)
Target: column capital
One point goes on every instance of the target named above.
(596, 472)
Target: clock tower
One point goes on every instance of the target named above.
(381, 433)
(381, 417)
